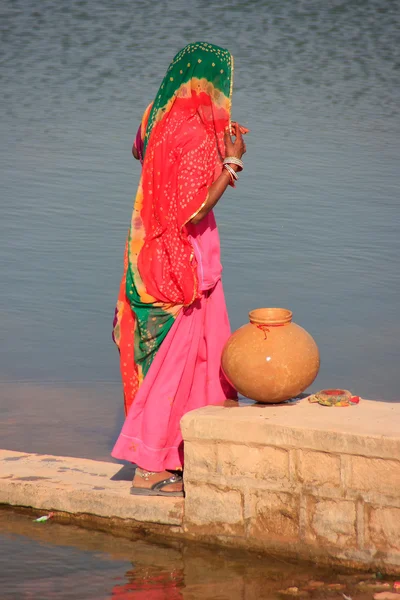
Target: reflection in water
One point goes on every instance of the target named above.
(150, 583)
(50, 560)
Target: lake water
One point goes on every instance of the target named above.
(47, 561)
(312, 226)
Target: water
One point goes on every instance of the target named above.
(46, 561)
(313, 225)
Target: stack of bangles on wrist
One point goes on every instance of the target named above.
(232, 160)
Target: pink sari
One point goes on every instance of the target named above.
(185, 373)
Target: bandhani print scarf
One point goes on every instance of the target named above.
(160, 270)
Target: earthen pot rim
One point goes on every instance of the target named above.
(270, 316)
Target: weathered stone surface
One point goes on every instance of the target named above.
(383, 525)
(261, 462)
(200, 458)
(374, 585)
(357, 431)
(332, 522)
(77, 485)
(375, 475)
(335, 586)
(314, 585)
(272, 515)
(213, 511)
(318, 468)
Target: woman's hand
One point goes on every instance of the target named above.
(243, 130)
(235, 148)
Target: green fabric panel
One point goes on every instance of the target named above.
(200, 60)
(152, 326)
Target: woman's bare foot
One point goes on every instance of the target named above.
(146, 479)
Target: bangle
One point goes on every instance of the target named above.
(233, 175)
(231, 178)
(232, 172)
(233, 160)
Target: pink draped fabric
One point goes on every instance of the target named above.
(185, 373)
(205, 242)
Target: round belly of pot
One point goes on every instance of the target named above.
(270, 359)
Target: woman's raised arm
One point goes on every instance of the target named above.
(234, 149)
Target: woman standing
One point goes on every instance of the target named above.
(171, 321)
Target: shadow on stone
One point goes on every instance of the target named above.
(126, 473)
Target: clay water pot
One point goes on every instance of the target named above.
(270, 359)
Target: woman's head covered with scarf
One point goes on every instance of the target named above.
(183, 151)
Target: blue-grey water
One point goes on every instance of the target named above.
(313, 224)
(49, 561)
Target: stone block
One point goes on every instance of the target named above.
(303, 425)
(258, 462)
(383, 527)
(210, 510)
(80, 486)
(331, 522)
(318, 468)
(272, 515)
(375, 475)
(199, 458)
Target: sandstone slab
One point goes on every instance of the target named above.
(77, 485)
(371, 428)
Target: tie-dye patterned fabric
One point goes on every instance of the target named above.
(183, 149)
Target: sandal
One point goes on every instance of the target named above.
(157, 488)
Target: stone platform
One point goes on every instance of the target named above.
(300, 480)
(81, 487)
(321, 483)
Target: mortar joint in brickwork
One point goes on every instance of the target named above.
(303, 516)
(345, 471)
(360, 523)
(293, 465)
(244, 484)
(219, 487)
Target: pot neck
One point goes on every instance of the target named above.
(271, 317)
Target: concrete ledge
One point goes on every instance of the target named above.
(315, 482)
(371, 428)
(77, 485)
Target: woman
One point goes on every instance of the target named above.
(170, 321)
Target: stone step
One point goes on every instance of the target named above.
(80, 486)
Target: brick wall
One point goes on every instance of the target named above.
(328, 506)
